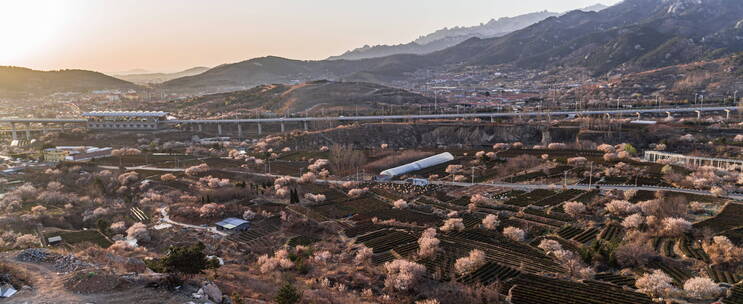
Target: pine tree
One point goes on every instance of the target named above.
(288, 295)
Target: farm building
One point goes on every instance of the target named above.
(54, 240)
(6, 291)
(75, 153)
(417, 165)
(233, 224)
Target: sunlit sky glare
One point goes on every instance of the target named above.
(171, 35)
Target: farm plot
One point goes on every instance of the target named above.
(256, 236)
(350, 207)
(615, 279)
(569, 232)
(664, 246)
(331, 194)
(386, 240)
(503, 251)
(403, 215)
(77, 237)
(730, 217)
(559, 198)
(551, 172)
(678, 274)
(532, 289)
(612, 233)
(736, 295)
(529, 198)
(690, 250)
(721, 276)
(587, 236)
(489, 274)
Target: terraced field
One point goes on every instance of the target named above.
(532, 289)
(730, 217)
(615, 279)
(529, 198)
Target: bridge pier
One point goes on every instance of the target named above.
(638, 115)
(699, 114)
(239, 130)
(305, 126)
(219, 129)
(260, 129)
(44, 128)
(28, 130)
(727, 114)
(200, 127)
(669, 117)
(14, 131)
(283, 129)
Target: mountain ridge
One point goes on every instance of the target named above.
(19, 81)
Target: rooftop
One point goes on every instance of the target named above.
(231, 223)
(125, 114)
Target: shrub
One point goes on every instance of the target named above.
(428, 244)
(702, 288)
(655, 284)
(674, 226)
(356, 192)
(574, 208)
(453, 224)
(363, 255)
(721, 250)
(549, 246)
(400, 204)
(634, 221)
(516, 234)
(490, 222)
(317, 198)
(403, 275)
(620, 207)
(468, 264)
(138, 232)
(197, 170)
(168, 177)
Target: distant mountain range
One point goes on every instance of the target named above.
(19, 82)
(631, 36)
(448, 37)
(309, 96)
(150, 78)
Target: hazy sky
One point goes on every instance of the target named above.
(170, 35)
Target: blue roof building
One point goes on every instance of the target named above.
(233, 224)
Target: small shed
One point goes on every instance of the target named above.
(233, 224)
(55, 240)
(7, 291)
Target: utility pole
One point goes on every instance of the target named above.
(590, 177)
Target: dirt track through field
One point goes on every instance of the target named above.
(48, 288)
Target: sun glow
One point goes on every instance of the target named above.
(28, 26)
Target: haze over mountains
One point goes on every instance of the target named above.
(303, 97)
(448, 37)
(150, 78)
(628, 37)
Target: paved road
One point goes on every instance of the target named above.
(165, 218)
(502, 185)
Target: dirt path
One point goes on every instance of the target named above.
(48, 288)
